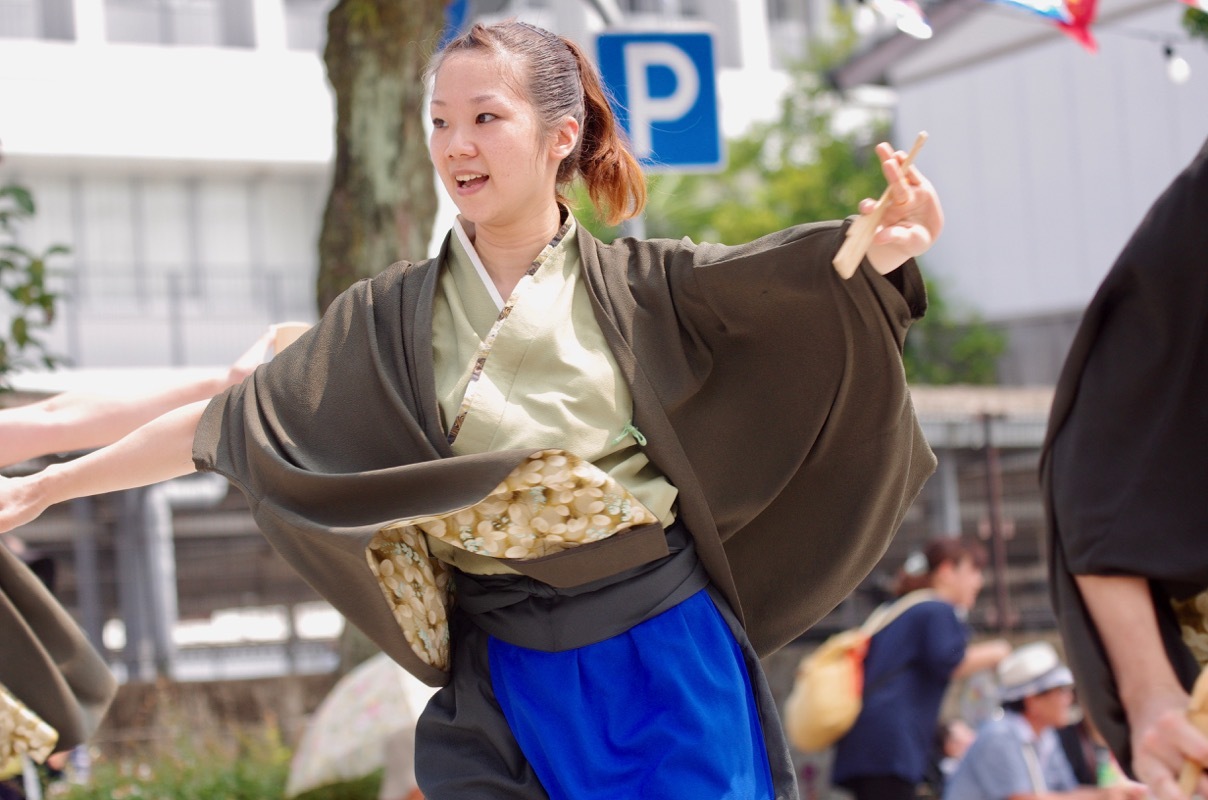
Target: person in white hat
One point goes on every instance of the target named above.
(1017, 756)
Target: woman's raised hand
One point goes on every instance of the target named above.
(912, 219)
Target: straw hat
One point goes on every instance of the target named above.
(1030, 670)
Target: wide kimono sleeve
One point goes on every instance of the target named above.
(793, 439)
(335, 439)
(49, 673)
(1125, 460)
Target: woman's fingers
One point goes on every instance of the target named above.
(1161, 750)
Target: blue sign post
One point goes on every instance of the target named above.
(665, 90)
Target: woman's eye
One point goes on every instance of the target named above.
(484, 117)
(438, 123)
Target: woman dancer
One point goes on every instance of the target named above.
(640, 465)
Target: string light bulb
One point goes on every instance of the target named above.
(863, 18)
(906, 15)
(1177, 68)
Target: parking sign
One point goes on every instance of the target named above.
(665, 91)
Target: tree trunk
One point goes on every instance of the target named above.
(383, 199)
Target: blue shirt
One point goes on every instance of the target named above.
(906, 674)
(995, 767)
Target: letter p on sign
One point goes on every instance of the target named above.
(664, 93)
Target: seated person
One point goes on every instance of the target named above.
(1017, 756)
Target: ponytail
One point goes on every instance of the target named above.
(612, 175)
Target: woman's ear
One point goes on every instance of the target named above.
(565, 137)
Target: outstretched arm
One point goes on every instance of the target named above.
(982, 655)
(158, 451)
(1153, 698)
(82, 421)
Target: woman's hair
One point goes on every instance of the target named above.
(918, 570)
(556, 78)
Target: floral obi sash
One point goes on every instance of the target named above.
(22, 732)
(551, 508)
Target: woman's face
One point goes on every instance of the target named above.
(487, 143)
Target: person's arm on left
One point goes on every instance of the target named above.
(83, 421)
(158, 451)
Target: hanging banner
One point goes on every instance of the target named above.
(1082, 14)
(1073, 17)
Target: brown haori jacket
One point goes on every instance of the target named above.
(770, 391)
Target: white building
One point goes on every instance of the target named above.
(1046, 156)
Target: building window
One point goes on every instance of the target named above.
(37, 19)
(691, 9)
(175, 269)
(306, 24)
(668, 9)
(212, 23)
(778, 10)
(644, 6)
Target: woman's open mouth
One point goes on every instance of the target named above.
(470, 181)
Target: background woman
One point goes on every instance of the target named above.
(908, 668)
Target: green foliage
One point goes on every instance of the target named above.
(803, 167)
(249, 765)
(794, 169)
(24, 281)
(586, 216)
(945, 348)
(245, 767)
(1195, 22)
(366, 788)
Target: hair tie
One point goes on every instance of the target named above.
(915, 564)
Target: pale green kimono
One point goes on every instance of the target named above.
(508, 379)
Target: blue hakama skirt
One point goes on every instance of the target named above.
(664, 710)
(643, 685)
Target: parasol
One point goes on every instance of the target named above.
(366, 722)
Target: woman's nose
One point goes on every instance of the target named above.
(458, 145)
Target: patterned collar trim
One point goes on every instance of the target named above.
(484, 350)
